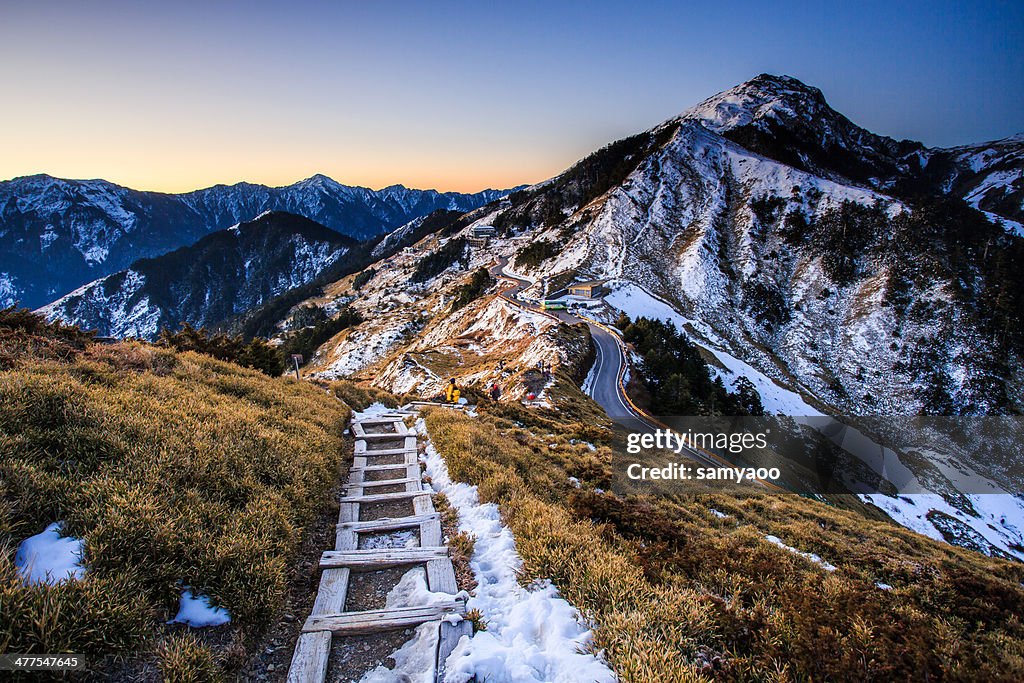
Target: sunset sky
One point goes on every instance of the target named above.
(460, 96)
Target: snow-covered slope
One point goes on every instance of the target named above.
(867, 301)
(222, 275)
(791, 122)
(58, 234)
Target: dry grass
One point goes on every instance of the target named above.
(680, 594)
(175, 468)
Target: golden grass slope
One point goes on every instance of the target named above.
(680, 594)
(175, 468)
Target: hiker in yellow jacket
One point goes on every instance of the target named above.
(451, 392)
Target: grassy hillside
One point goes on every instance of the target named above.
(681, 593)
(176, 468)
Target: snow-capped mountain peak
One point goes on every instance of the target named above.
(765, 96)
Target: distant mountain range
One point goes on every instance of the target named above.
(56, 235)
(222, 275)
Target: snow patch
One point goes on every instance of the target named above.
(533, 634)
(196, 611)
(50, 558)
(827, 566)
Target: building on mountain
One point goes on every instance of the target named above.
(484, 231)
(590, 289)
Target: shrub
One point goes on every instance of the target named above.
(535, 253)
(307, 341)
(256, 353)
(362, 278)
(478, 284)
(436, 262)
(183, 659)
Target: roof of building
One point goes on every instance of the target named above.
(588, 283)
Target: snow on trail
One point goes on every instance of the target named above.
(414, 661)
(533, 635)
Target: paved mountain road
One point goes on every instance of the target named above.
(610, 364)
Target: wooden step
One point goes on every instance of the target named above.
(408, 445)
(381, 482)
(378, 468)
(382, 497)
(381, 558)
(430, 404)
(386, 451)
(449, 637)
(374, 621)
(368, 437)
(389, 523)
(382, 420)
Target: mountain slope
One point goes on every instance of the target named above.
(220, 276)
(786, 120)
(861, 300)
(868, 301)
(57, 234)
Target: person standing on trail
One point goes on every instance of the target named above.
(451, 391)
(495, 392)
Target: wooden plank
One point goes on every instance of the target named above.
(312, 650)
(429, 404)
(380, 558)
(348, 512)
(374, 621)
(389, 523)
(382, 420)
(408, 445)
(430, 530)
(330, 596)
(309, 662)
(384, 451)
(422, 505)
(381, 497)
(448, 638)
(355, 476)
(372, 437)
(394, 466)
(441, 576)
(345, 539)
(381, 482)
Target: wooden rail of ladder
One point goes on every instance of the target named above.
(328, 618)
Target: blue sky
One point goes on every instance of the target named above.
(456, 95)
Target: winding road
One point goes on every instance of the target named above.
(605, 385)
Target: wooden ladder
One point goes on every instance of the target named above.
(328, 618)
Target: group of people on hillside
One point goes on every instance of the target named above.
(452, 393)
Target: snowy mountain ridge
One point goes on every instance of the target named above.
(791, 122)
(224, 274)
(57, 234)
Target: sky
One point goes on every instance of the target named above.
(173, 96)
